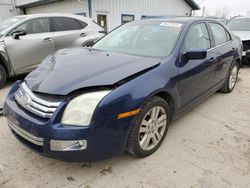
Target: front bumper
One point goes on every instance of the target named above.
(104, 138)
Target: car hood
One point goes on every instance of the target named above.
(244, 35)
(72, 69)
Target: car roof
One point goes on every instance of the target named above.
(28, 16)
(181, 19)
(241, 17)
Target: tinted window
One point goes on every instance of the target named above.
(219, 34)
(197, 38)
(67, 24)
(40, 25)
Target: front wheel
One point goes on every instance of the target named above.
(231, 79)
(150, 128)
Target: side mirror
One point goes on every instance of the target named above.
(194, 54)
(90, 44)
(17, 34)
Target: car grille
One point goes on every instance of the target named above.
(246, 45)
(33, 103)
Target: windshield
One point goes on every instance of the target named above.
(144, 39)
(7, 23)
(240, 24)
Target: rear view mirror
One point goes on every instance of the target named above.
(194, 54)
(17, 34)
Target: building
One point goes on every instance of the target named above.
(7, 9)
(110, 13)
(248, 13)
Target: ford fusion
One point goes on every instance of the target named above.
(87, 104)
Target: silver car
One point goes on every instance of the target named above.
(26, 40)
(240, 26)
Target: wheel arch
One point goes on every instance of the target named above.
(239, 61)
(169, 99)
(6, 65)
(2, 62)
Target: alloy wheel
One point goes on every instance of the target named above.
(152, 128)
(233, 77)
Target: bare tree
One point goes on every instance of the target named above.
(222, 13)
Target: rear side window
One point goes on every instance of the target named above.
(219, 33)
(197, 38)
(67, 24)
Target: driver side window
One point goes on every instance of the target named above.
(40, 25)
(197, 38)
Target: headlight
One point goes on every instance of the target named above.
(80, 110)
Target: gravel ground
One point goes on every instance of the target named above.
(207, 147)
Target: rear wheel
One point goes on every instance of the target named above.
(150, 128)
(231, 80)
(3, 76)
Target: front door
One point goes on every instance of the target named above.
(102, 21)
(28, 51)
(196, 76)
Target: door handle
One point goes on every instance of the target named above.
(47, 40)
(212, 60)
(83, 34)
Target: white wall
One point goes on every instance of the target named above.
(67, 6)
(114, 9)
(7, 9)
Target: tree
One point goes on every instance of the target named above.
(222, 13)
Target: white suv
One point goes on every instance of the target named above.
(26, 40)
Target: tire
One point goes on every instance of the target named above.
(228, 87)
(3, 77)
(135, 145)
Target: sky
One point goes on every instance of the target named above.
(230, 7)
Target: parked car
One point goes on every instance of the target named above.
(240, 26)
(26, 40)
(88, 104)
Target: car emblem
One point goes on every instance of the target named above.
(25, 99)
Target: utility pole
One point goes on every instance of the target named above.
(203, 11)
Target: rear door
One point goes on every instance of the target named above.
(196, 75)
(224, 50)
(28, 51)
(68, 32)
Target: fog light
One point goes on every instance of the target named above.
(68, 145)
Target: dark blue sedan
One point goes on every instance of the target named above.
(87, 104)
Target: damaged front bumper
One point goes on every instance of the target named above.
(48, 137)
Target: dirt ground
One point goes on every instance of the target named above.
(207, 147)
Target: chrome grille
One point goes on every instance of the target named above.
(33, 103)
